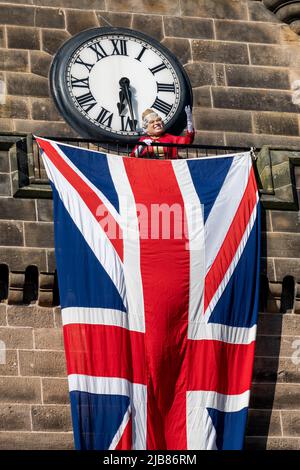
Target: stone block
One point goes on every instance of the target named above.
(6, 125)
(19, 209)
(30, 316)
(286, 221)
(40, 63)
(44, 128)
(247, 32)
(220, 77)
(222, 120)
(51, 261)
(259, 12)
(5, 185)
(14, 108)
(257, 77)
(283, 245)
(282, 396)
(44, 210)
(146, 23)
(43, 109)
(42, 363)
(229, 9)
(267, 268)
(180, 47)
(287, 267)
(109, 18)
(263, 423)
(200, 74)
(23, 38)
(272, 443)
(39, 234)
(15, 417)
(51, 418)
(10, 365)
(52, 40)
(280, 56)
(80, 20)
(15, 60)
(16, 337)
(3, 321)
(276, 123)
(20, 389)
(267, 346)
(2, 37)
(19, 258)
(27, 85)
(193, 28)
(202, 97)
(272, 369)
(163, 7)
(209, 138)
(36, 441)
(291, 423)
(48, 338)
(241, 98)
(258, 140)
(217, 51)
(55, 391)
(80, 4)
(17, 15)
(11, 233)
(297, 176)
(4, 162)
(50, 18)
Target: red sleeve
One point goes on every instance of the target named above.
(187, 139)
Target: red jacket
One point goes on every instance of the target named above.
(169, 153)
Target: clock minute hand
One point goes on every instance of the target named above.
(126, 96)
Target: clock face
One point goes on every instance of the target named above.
(103, 79)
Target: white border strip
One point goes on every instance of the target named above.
(131, 243)
(195, 225)
(102, 316)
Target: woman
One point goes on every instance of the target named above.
(155, 133)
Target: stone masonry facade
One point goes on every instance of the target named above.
(243, 63)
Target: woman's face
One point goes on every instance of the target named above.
(155, 127)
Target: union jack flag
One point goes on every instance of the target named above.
(159, 317)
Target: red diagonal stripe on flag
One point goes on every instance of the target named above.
(232, 240)
(92, 201)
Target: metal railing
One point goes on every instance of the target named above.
(121, 149)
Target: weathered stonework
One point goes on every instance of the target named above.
(242, 62)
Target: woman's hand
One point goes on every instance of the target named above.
(189, 118)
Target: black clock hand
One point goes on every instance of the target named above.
(125, 95)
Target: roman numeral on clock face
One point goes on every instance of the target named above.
(127, 124)
(161, 106)
(119, 46)
(79, 82)
(86, 101)
(105, 117)
(169, 87)
(158, 68)
(86, 64)
(99, 51)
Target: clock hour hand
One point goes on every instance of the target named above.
(125, 98)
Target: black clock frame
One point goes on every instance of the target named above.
(65, 104)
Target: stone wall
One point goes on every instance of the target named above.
(242, 63)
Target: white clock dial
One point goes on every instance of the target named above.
(110, 76)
